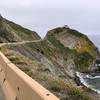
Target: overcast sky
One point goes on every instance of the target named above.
(43, 15)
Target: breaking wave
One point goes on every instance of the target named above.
(83, 79)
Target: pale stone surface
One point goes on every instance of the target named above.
(1, 94)
(18, 85)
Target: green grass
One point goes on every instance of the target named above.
(83, 60)
(27, 70)
(59, 45)
(54, 86)
(14, 59)
(80, 35)
(18, 61)
(76, 94)
(23, 32)
(19, 28)
(76, 33)
(58, 30)
(67, 91)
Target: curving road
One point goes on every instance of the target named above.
(1, 94)
(19, 43)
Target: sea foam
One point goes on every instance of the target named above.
(81, 76)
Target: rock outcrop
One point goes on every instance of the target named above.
(82, 51)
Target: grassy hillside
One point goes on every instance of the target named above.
(11, 32)
(53, 61)
(35, 61)
(22, 32)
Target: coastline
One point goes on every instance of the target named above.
(84, 83)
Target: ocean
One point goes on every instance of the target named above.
(89, 81)
(92, 82)
(95, 39)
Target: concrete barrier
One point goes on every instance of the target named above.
(17, 85)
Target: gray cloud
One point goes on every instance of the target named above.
(42, 15)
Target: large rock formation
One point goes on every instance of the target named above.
(75, 47)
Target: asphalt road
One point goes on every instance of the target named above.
(1, 94)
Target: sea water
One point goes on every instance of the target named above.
(92, 82)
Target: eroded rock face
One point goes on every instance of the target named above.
(74, 43)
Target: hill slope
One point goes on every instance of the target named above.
(11, 32)
(53, 61)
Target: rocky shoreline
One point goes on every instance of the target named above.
(81, 82)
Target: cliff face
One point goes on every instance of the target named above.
(52, 61)
(74, 46)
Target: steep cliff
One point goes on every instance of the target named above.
(74, 46)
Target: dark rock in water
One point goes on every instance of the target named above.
(95, 74)
(97, 63)
(77, 80)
